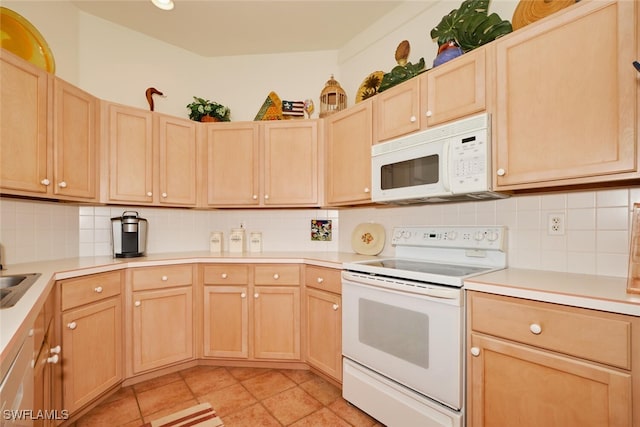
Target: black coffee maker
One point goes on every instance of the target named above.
(129, 235)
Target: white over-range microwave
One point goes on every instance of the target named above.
(451, 162)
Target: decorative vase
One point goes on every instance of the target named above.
(209, 119)
(447, 52)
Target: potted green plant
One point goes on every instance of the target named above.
(470, 26)
(203, 110)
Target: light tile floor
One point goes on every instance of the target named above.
(240, 397)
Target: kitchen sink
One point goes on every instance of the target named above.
(14, 286)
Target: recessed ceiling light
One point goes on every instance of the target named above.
(163, 4)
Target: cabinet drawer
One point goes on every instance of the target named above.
(161, 277)
(328, 279)
(588, 334)
(226, 274)
(277, 274)
(87, 289)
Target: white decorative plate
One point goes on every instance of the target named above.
(368, 238)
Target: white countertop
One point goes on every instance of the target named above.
(580, 290)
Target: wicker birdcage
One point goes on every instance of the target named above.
(332, 98)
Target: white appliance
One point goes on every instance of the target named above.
(403, 323)
(451, 162)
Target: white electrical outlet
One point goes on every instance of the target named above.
(555, 224)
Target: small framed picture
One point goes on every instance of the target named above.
(321, 230)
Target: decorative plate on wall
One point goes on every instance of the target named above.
(529, 11)
(369, 86)
(19, 36)
(368, 238)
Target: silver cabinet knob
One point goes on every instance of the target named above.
(224, 275)
(319, 280)
(413, 119)
(243, 295)
(266, 197)
(475, 351)
(137, 303)
(165, 278)
(254, 197)
(335, 307)
(45, 182)
(276, 276)
(367, 190)
(72, 325)
(55, 350)
(62, 184)
(501, 172)
(429, 113)
(53, 359)
(256, 295)
(97, 289)
(164, 195)
(149, 194)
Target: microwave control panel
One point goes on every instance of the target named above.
(469, 162)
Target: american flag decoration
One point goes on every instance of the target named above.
(293, 109)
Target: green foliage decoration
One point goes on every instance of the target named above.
(470, 26)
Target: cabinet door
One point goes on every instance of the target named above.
(130, 167)
(276, 322)
(454, 89)
(291, 163)
(226, 321)
(508, 382)
(23, 126)
(162, 327)
(397, 110)
(348, 155)
(177, 148)
(92, 351)
(74, 143)
(323, 333)
(233, 164)
(567, 115)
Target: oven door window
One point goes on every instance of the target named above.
(419, 171)
(379, 326)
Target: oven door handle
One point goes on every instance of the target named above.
(426, 290)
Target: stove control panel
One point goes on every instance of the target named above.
(467, 237)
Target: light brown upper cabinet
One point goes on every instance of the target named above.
(47, 134)
(233, 164)
(291, 163)
(348, 155)
(149, 158)
(262, 164)
(567, 98)
(397, 110)
(455, 89)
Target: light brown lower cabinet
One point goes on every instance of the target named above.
(537, 364)
(324, 332)
(323, 320)
(92, 342)
(226, 326)
(252, 311)
(91, 337)
(162, 329)
(276, 322)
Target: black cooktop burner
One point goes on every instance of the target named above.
(426, 267)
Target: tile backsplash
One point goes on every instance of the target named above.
(596, 238)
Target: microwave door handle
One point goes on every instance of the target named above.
(445, 166)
